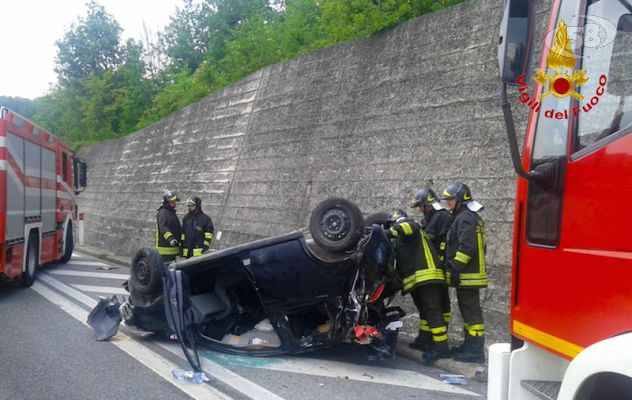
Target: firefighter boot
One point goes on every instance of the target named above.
(464, 345)
(439, 350)
(474, 351)
(422, 342)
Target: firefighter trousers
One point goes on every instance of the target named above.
(427, 299)
(470, 307)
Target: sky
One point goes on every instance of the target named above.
(29, 29)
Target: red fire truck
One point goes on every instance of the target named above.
(571, 303)
(39, 178)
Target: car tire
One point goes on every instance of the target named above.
(336, 224)
(32, 261)
(378, 218)
(146, 272)
(70, 245)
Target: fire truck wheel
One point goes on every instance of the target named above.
(70, 245)
(146, 272)
(28, 277)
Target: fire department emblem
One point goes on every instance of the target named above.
(561, 60)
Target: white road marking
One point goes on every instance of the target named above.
(76, 255)
(68, 272)
(227, 376)
(101, 289)
(77, 295)
(362, 373)
(89, 263)
(215, 370)
(142, 354)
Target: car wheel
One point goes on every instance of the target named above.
(70, 245)
(32, 261)
(336, 224)
(146, 272)
(378, 218)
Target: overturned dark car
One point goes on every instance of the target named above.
(291, 293)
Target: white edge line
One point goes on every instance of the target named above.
(227, 376)
(101, 289)
(142, 354)
(104, 275)
(211, 368)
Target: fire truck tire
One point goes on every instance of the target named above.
(70, 245)
(146, 272)
(28, 277)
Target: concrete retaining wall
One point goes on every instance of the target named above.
(369, 120)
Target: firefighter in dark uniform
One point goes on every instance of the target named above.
(418, 266)
(197, 230)
(168, 229)
(435, 224)
(465, 268)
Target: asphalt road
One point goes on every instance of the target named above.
(48, 352)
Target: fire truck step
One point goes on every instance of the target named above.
(546, 390)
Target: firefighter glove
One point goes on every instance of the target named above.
(455, 278)
(174, 242)
(455, 274)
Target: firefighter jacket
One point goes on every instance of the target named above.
(417, 262)
(167, 228)
(197, 232)
(466, 248)
(436, 226)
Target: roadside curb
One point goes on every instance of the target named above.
(475, 372)
(104, 255)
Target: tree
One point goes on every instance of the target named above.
(20, 105)
(90, 47)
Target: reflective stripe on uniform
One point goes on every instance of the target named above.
(468, 279)
(475, 330)
(439, 334)
(481, 251)
(394, 232)
(182, 237)
(208, 235)
(442, 246)
(423, 325)
(167, 235)
(428, 253)
(422, 276)
(196, 252)
(206, 243)
(462, 257)
(447, 317)
(167, 251)
(407, 229)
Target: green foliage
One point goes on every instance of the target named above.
(105, 90)
(22, 106)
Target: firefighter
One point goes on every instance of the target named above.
(465, 268)
(168, 228)
(435, 224)
(418, 266)
(197, 230)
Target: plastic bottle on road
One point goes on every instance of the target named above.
(188, 375)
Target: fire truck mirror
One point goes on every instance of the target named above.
(83, 174)
(514, 46)
(80, 174)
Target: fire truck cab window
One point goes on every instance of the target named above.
(606, 110)
(544, 206)
(64, 167)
